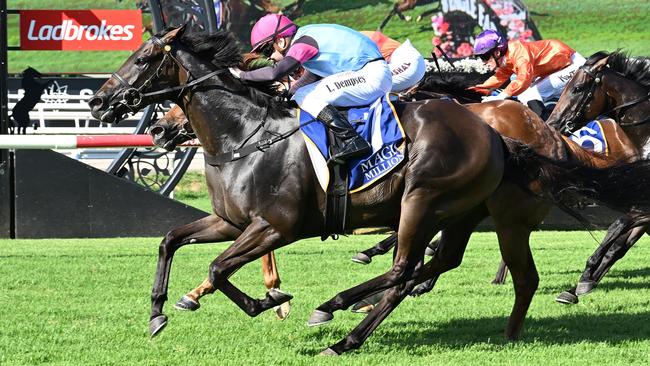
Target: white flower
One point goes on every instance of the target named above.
(462, 65)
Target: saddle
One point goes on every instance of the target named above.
(380, 126)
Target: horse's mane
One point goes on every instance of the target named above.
(221, 50)
(634, 68)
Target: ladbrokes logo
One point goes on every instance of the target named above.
(80, 29)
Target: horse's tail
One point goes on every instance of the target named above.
(621, 186)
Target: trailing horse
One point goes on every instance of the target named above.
(618, 86)
(268, 200)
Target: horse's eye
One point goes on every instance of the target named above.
(140, 61)
(578, 88)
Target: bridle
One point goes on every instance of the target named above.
(586, 99)
(597, 78)
(132, 97)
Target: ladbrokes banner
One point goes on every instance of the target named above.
(80, 29)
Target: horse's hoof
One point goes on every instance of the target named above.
(328, 352)
(319, 317)
(429, 252)
(361, 258)
(157, 324)
(498, 281)
(282, 311)
(419, 290)
(187, 304)
(584, 288)
(567, 297)
(279, 296)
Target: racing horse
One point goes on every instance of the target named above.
(510, 119)
(268, 200)
(618, 86)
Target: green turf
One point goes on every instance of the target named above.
(86, 302)
(587, 25)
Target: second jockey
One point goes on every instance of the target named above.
(542, 68)
(343, 68)
(406, 63)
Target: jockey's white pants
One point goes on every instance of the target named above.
(346, 89)
(407, 67)
(551, 87)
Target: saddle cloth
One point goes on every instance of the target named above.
(591, 137)
(379, 125)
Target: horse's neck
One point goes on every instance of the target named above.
(221, 118)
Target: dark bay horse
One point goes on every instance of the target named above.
(267, 200)
(510, 119)
(618, 86)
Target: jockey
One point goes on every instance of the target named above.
(342, 68)
(406, 63)
(542, 68)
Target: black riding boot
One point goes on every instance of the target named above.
(347, 143)
(539, 108)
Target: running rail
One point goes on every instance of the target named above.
(36, 142)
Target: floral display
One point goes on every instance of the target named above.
(454, 31)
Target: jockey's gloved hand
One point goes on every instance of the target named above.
(500, 96)
(235, 72)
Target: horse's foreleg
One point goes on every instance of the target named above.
(621, 236)
(259, 239)
(190, 301)
(206, 230)
(615, 252)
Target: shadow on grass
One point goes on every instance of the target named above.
(419, 336)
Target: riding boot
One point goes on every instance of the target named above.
(538, 107)
(347, 143)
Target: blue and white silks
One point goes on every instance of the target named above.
(379, 125)
(591, 137)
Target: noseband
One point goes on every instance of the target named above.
(132, 97)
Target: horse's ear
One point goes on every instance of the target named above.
(174, 33)
(601, 63)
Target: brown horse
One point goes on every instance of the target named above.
(264, 201)
(619, 86)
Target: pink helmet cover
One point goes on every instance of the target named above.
(269, 28)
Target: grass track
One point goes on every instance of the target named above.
(86, 302)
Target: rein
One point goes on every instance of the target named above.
(260, 145)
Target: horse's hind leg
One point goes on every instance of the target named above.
(381, 248)
(206, 230)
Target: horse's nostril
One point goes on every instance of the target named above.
(96, 102)
(157, 132)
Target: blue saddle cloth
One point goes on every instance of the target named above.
(591, 137)
(379, 125)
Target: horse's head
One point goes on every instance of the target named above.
(172, 130)
(151, 67)
(584, 97)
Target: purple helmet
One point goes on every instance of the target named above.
(489, 41)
